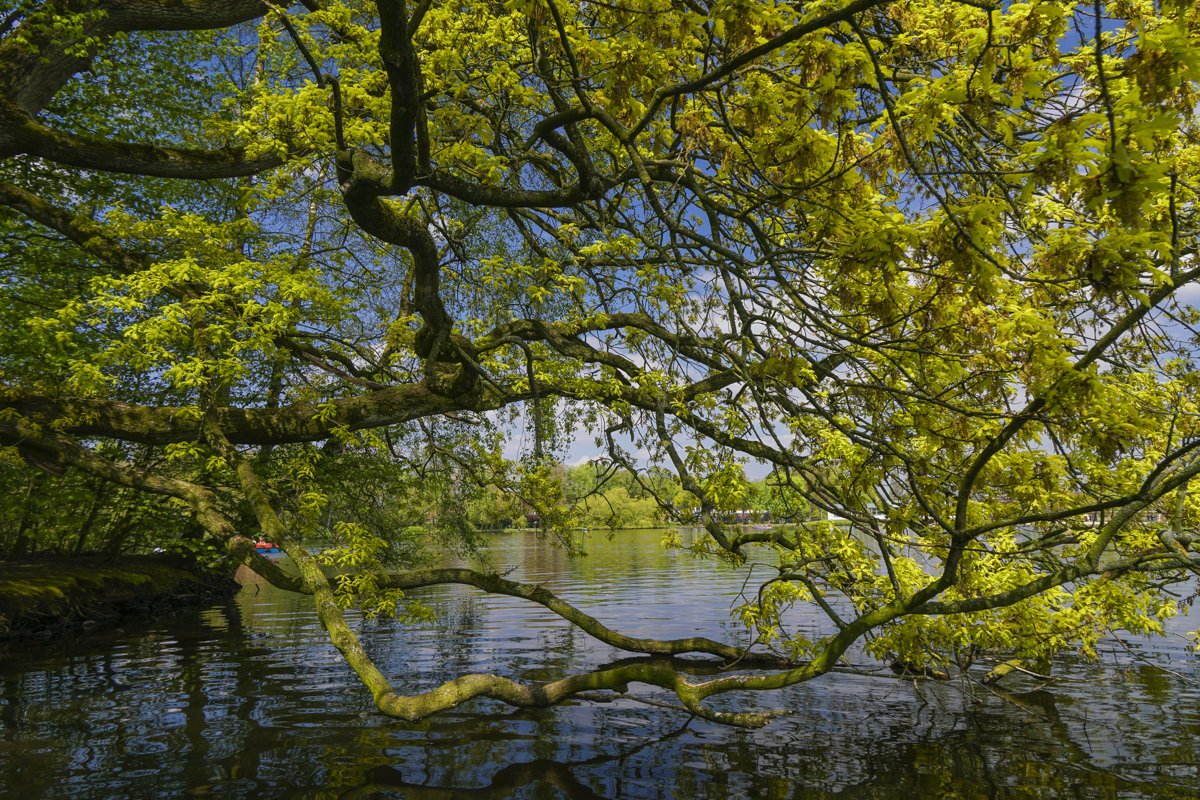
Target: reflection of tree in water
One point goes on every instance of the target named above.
(252, 669)
(417, 656)
(504, 783)
(962, 753)
(538, 775)
(882, 739)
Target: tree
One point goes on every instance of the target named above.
(607, 496)
(778, 496)
(929, 260)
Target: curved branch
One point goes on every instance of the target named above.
(80, 229)
(24, 135)
(500, 197)
(467, 687)
(288, 424)
(494, 584)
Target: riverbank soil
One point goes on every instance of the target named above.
(40, 598)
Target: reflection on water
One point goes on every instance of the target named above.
(248, 699)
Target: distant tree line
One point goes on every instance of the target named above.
(597, 494)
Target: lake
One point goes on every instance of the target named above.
(247, 698)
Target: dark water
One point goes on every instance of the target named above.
(248, 699)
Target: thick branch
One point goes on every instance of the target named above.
(79, 229)
(261, 426)
(23, 134)
(494, 584)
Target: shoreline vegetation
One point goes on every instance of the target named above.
(44, 598)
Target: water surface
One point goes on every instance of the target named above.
(248, 698)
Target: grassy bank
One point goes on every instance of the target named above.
(41, 597)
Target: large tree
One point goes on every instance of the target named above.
(931, 261)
